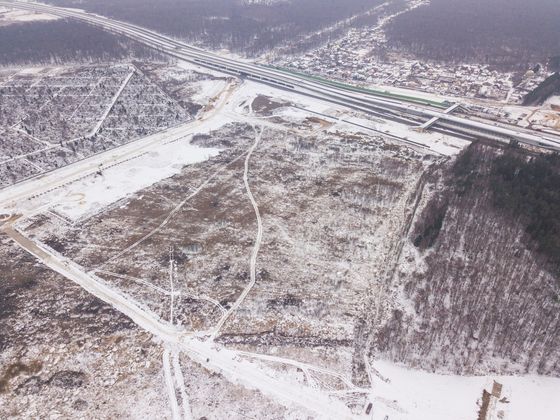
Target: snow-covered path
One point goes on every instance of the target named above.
(212, 356)
(114, 100)
(95, 286)
(170, 385)
(304, 367)
(258, 240)
(180, 382)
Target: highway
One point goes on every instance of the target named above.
(407, 109)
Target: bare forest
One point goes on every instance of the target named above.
(65, 41)
(252, 28)
(506, 33)
(479, 277)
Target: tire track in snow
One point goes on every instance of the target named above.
(205, 352)
(180, 382)
(306, 367)
(169, 382)
(257, 246)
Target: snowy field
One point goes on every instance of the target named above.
(418, 395)
(553, 100)
(207, 89)
(129, 177)
(312, 156)
(8, 16)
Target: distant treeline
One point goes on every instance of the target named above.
(549, 87)
(61, 41)
(236, 25)
(511, 34)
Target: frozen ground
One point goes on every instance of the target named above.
(207, 89)
(10, 16)
(115, 183)
(553, 100)
(250, 248)
(411, 395)
(52, 117)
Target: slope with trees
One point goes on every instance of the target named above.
(479, 275)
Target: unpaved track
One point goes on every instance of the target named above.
(206, 353)
(95, 286)
(180, 382)
(170, 385)
(114, 100)
(11, 196)
(304, 367)
(258, 240)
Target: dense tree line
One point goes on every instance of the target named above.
(508, 33)
(522, 187)
(63, 41)
(486, 297)
(531, 189)
(554, 63)
(252, 28)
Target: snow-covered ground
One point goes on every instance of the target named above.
(418, 395)
(124, 170)
(77, 192)
(161, 160)
(8, 16)
(544, 116)
(348, 121)
(553, 100)
(129, 177)
(208, 89)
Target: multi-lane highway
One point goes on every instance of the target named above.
(406, 109)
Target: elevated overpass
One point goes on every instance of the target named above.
(433, 120)
(414, 111)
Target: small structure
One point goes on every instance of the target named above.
(489, 401)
